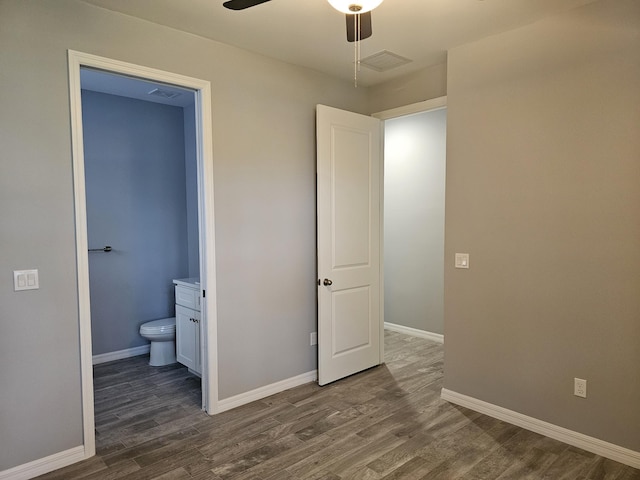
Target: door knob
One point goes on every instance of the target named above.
(327, 282)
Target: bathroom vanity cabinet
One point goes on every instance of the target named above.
(187, 291)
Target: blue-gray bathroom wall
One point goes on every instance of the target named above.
(191, 169)
(136, 202)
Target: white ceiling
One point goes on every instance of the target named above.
(311, 33)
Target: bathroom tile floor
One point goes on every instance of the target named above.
(386, 423)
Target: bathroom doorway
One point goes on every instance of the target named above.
(142, 205)
(118, 74)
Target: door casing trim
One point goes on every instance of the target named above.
(204, 152)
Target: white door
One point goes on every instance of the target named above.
(349, 174)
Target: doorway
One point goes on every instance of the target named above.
(351, 213)
(205, 221)
(414, 196)
(142, 205)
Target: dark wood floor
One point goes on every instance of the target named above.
(386, 423)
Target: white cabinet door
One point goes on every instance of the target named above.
(188, 338)
(349, 170)
(196, 342)
(187, 297)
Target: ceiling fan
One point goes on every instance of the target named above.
(358, 14)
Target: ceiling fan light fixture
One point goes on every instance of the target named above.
(354, 6)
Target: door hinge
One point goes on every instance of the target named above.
(204, 293)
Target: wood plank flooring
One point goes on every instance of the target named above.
(386, 423)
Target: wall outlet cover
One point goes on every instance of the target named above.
(580, 387)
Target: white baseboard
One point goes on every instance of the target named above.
(591, 444)
(44, 465)
(414, 332)
(262, 392)
(120, 354)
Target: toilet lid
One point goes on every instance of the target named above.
(164, 325)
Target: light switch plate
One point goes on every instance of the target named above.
(25, 280)
(462, 260)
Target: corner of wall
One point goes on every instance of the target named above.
(425, 84)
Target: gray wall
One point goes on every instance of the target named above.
(136, 202)
(414, 180)
(264, 182)
(543, 191)
(430, 82)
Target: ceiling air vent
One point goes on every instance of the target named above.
(158, 92)
(384, 60)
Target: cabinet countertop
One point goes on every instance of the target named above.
(193, 282)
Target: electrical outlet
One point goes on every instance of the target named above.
(580, 387)
(313, 338)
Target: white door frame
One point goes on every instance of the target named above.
(204, 151)
(419, 107)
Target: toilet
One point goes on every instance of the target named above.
(162, 335)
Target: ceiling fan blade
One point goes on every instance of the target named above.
(242, 4)
(365, 26)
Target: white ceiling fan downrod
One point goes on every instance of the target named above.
(355, 9)
(356, 48)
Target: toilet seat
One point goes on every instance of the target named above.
(161, 326)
